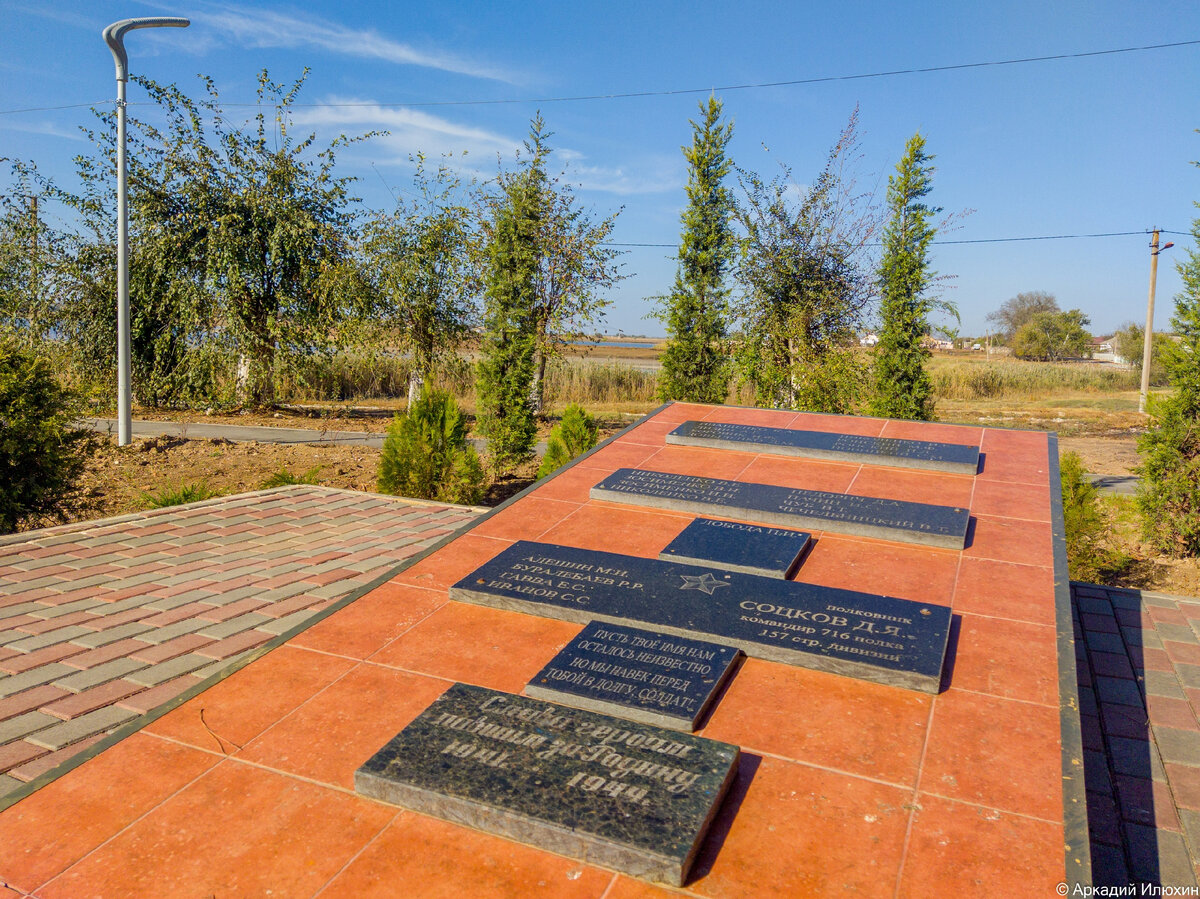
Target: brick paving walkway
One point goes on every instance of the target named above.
(1139, 692)
(104, 621)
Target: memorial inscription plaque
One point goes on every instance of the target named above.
(620, 794)
(732, 546)
(877, 638)
(641, 675)
(864, 516)
(892, 451)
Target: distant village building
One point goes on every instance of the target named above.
(868, 339)
(1102, 350)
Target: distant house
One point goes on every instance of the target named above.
(869, 339)
(1102, 349)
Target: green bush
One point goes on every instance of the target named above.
(284, 478)
(1169, 497)
(188, 493)
(426, 454)
(1087, 556)
(571, 437)
(41, 454)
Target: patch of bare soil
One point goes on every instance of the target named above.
(1104, 455)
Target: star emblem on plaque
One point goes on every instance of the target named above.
(706, 583)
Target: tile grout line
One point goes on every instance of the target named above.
(354, 857)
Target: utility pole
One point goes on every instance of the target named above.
(33, 266)
(1148, 337)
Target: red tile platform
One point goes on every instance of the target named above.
(844, 785)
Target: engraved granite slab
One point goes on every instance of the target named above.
(616, 793)
(877, 638)
(950, 457)
(863, 516)
(644, 676)
(733, 546)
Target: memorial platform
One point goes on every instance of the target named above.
(842, 783)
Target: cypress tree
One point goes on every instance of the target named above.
(902, 386)
(695, 366)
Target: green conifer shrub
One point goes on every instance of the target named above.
(571, 437)
(426, 454)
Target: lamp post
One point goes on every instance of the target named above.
(114, 36)
(1148, 337)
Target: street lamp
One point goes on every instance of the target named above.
(1148, 337)
(114, 36)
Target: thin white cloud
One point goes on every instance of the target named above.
(271, 28)
(43, 128)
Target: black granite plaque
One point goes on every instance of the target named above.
(620, 794)
(644, 676)
(837, 447)
(863, 516)
(877, 638)
(733, 546)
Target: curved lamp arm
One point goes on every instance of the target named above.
(114, 36)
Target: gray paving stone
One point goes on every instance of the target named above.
(1159, 856)
(279, 594)
(23, 725)
(78, 605)
(23, 608)
(1119, 691)
(112, 634)
(1150, 598)
(1162, 683)
(1189, 675)
(68, 732)
(1191, 828)
(34, 677)
(78, 681)
(165, 671)
(1176, 745)
(123, 605)
(1137, 758)
(50, 580)
(168, 603)
(171, 631)
(49, 638)
(224, 599)
(287, 622)
(93, 581)
(235, 625)
(1178, 633)
(8, 785)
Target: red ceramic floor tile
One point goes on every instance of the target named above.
(452, 562)
(995, 752)
(694, 460)
(618, 529)
(759, 418)
(438, 860)
(881, 567)
(965, 435)
(1009, 540)
(574, 485)
(236, 831)
(681, 411)
(234, 711)
(478, 645)
(526, 519)
(1002, 440)
(790, 830)
(618, 454)
(331, 736)
(837, 424)
(98, 799)
(1023, 501)
(371, 621)
(1031, 467)
(1005, 590)
(845, 724)
(652, 432)
(805, 474)
(962, 850)
(627, 888)
(1012, 659)
(913, 486)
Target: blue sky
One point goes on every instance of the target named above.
(1074, 146)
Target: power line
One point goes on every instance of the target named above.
(978, 239)
(701, 90)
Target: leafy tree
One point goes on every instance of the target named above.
(1053, 336)
(902, 386)
(421, 263)
(510, 278)
(42, 454)
(1129, 343)
(1170, 489)
(806, 285)
(426, 454)
(29, 249)
(695, 366)
(573, 436)
(1018, 310)
(240, 244)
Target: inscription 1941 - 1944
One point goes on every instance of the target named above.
(617, 793)
(893, 451)
(641, 675)
(864, 516)
(878, 638)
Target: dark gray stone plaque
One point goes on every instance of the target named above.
(835, 447)
(616, 793)
(862, 516)
(733, 546)
(644, 676)
(877, 638)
